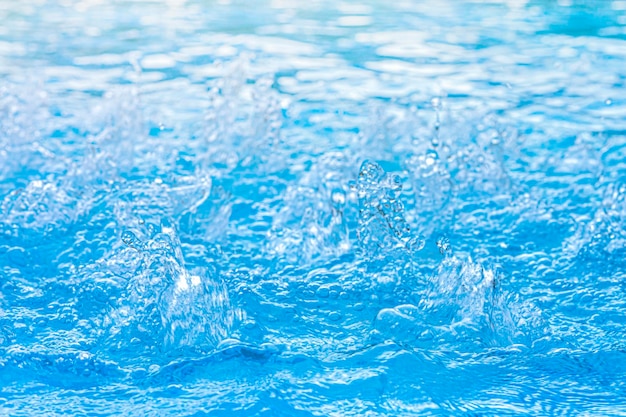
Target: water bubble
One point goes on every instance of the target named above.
(130, 239)
(323, 292)
(334, 316)
(396, 182)
(430, 158)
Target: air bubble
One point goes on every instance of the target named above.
(334, 316)
(323, 292)
(396, 183)
(130, 239)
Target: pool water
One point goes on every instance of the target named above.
(321, 208)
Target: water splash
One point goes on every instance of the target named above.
(194, 219)
(382, 225)
(163, 305)
(463, 304)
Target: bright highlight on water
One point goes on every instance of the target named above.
(317, 208)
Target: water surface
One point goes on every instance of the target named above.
(287, 208)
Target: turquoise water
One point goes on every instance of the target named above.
(285, 208)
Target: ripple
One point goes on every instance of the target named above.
(338, 209)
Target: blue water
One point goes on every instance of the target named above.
(320, 208)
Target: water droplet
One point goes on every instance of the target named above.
(443, 243)
(416, 243)
(338, 196)
(429, 161)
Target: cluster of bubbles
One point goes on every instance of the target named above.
(233, 242)
(154, 299)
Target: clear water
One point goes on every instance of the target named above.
(320, 208)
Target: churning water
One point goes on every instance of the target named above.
(320, 208)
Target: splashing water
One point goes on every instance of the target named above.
(336, 209)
